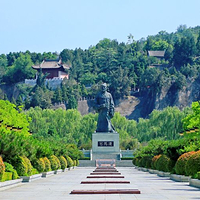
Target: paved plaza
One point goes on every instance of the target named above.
(58, 187)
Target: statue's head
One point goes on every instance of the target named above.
(104, 87)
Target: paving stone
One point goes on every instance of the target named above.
(58, 187)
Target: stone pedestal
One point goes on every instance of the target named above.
(105, 146)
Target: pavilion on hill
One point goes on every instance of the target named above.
(54, 68)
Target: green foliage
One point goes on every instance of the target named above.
(63, 162)
(47, 164)
(39, 164)
(20, 70)
(22, 167)
(181, 163)
(69, 162)
(11, 116)
(154, 161)
(54, 163)
(2, 168)
(10, 168)
(193, 164)
(164, 163)
(77, 162)
(7, 176)
(198, 175)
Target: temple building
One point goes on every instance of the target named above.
(54, 69)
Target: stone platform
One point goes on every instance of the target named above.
(105, 146)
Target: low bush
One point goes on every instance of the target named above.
(77, 162)
(198, 175)
(164, 163)
(7, 176)
(47, 164)
(2, 168)
(193, 164)
(74, 163)
(10, 168)
(21, 166)
(154, 160)
(69, 162)
(29, 165)
(58, 162)
(34, 171)
(181, 163)
(39, 164)
(63, 162)
(54, 162)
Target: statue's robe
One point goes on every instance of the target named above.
(105, 106)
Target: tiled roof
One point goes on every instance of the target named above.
(156, 53)
(50, 64)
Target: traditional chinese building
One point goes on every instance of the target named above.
(159, 59)
(157, 54)
(54, 69)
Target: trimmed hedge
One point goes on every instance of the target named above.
(29, 165)
(2, 168)
(164, 163)
(9, 168)
(21, 166)
(47, 164)
(181, 163)
(39, 164)
(63, 162)
(58, 162)
(198, 175)
(70, 162)
(193, 164)
(7, 176)
(54, 164)
(77, 162)
(154, 160)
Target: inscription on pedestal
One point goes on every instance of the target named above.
(105, 143)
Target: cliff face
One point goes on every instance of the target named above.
(168, 96)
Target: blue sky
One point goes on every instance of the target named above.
(47, 25)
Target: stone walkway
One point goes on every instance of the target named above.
(58, 187)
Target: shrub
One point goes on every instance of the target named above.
(63, 162)
(10, 168)
(77, 162)
(54, 163)
(134, 160)
(58, 162)
(148, 161)
(2, 168)
(74, 162)
(34, 171)
(21, 166)
(154, 160)
(193, 164)
(29, 165)
(69, 162)
(47, 164)
(198, 175)
(39, 164)
(181, 163)
(164, 163)
(7, 176)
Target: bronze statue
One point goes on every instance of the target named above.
(105, 107)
